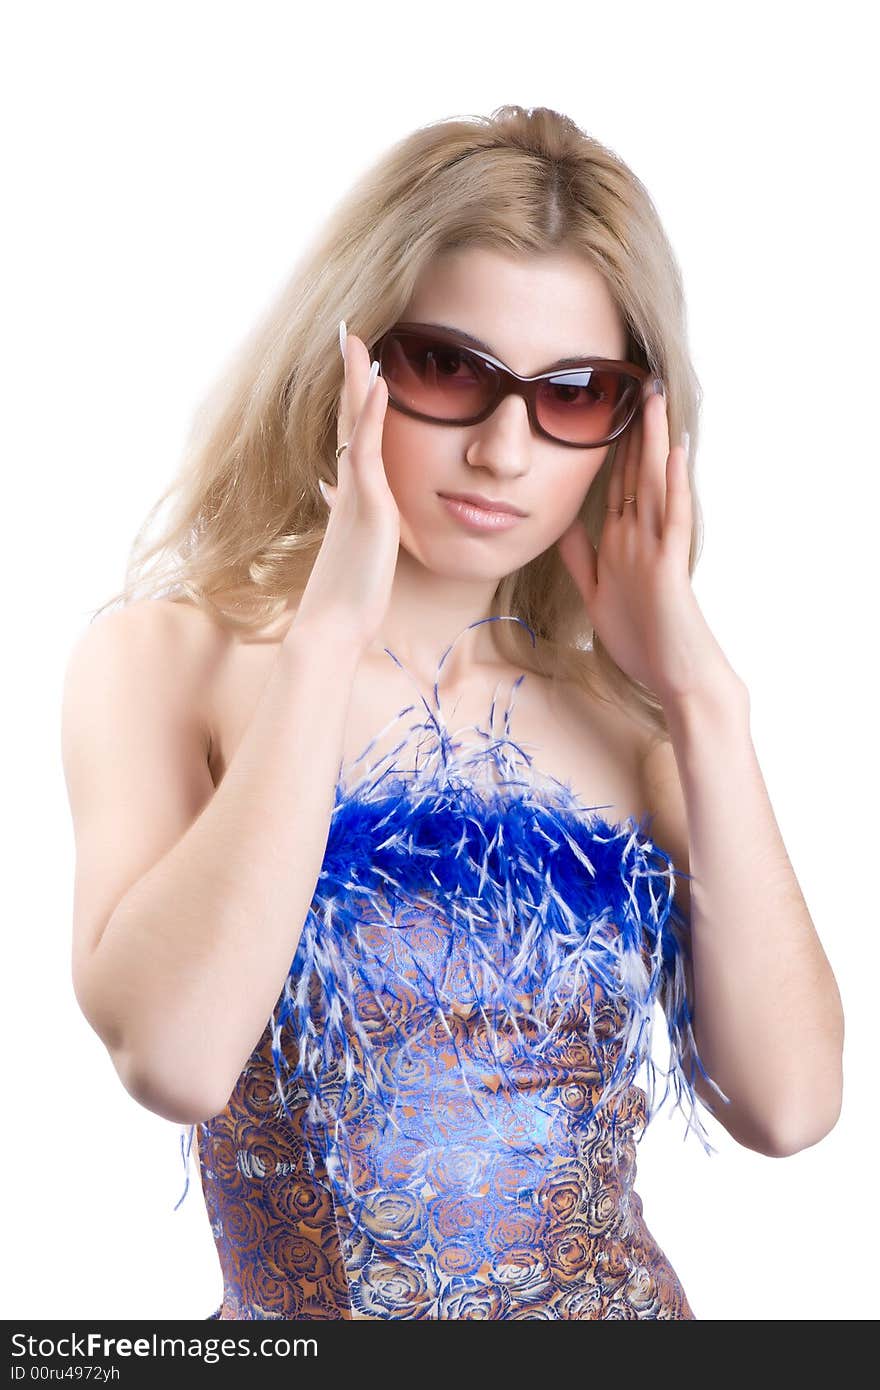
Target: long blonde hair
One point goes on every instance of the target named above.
(246, 516)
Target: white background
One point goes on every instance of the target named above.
(163, 165)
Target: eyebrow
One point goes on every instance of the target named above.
(551, 366)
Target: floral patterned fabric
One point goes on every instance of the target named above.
(440, 1119)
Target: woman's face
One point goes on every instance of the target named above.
(531, 311)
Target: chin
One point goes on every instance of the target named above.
(456, 559)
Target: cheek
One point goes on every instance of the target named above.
(413, 457)
(566, 490)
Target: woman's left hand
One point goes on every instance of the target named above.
(637, 587)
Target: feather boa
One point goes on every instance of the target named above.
(544, 897)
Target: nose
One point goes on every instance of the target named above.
(503, 440)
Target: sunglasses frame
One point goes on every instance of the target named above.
(511, 383)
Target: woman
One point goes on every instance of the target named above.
(451, 917)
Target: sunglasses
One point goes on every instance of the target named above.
(434, 374)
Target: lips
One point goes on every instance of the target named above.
(478, 519)
(475, 499)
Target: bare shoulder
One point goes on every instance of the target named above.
(178, 626)
(203, 646)
(173, 638)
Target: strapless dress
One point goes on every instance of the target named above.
(440, 1118)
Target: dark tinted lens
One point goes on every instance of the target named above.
(443, 381)
(435, 378)
(586, 404)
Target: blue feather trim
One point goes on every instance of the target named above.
(546, 902)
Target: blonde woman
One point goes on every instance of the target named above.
(413, 776)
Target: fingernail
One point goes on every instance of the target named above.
(324, 493)
(343, 334)
(658, 386)
(686, 443)
(374, 372)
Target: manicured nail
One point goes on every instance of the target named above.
(686, 443)
(343, 334)
(658, 386)
(374, 372)
(324, 493)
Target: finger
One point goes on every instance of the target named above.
(365, 450)
(355, 374)
(631, 468)
(651, 479)
(625, 468)
(678, 519)
(614, 499)
(633, 472)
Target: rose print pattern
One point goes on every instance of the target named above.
(504, 1208)
(440, 1119)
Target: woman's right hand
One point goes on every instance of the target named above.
(349, 586)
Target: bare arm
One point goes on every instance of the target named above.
(768, 1020)
(190, 964)
(190, 903)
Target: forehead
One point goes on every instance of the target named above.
(534, 312)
